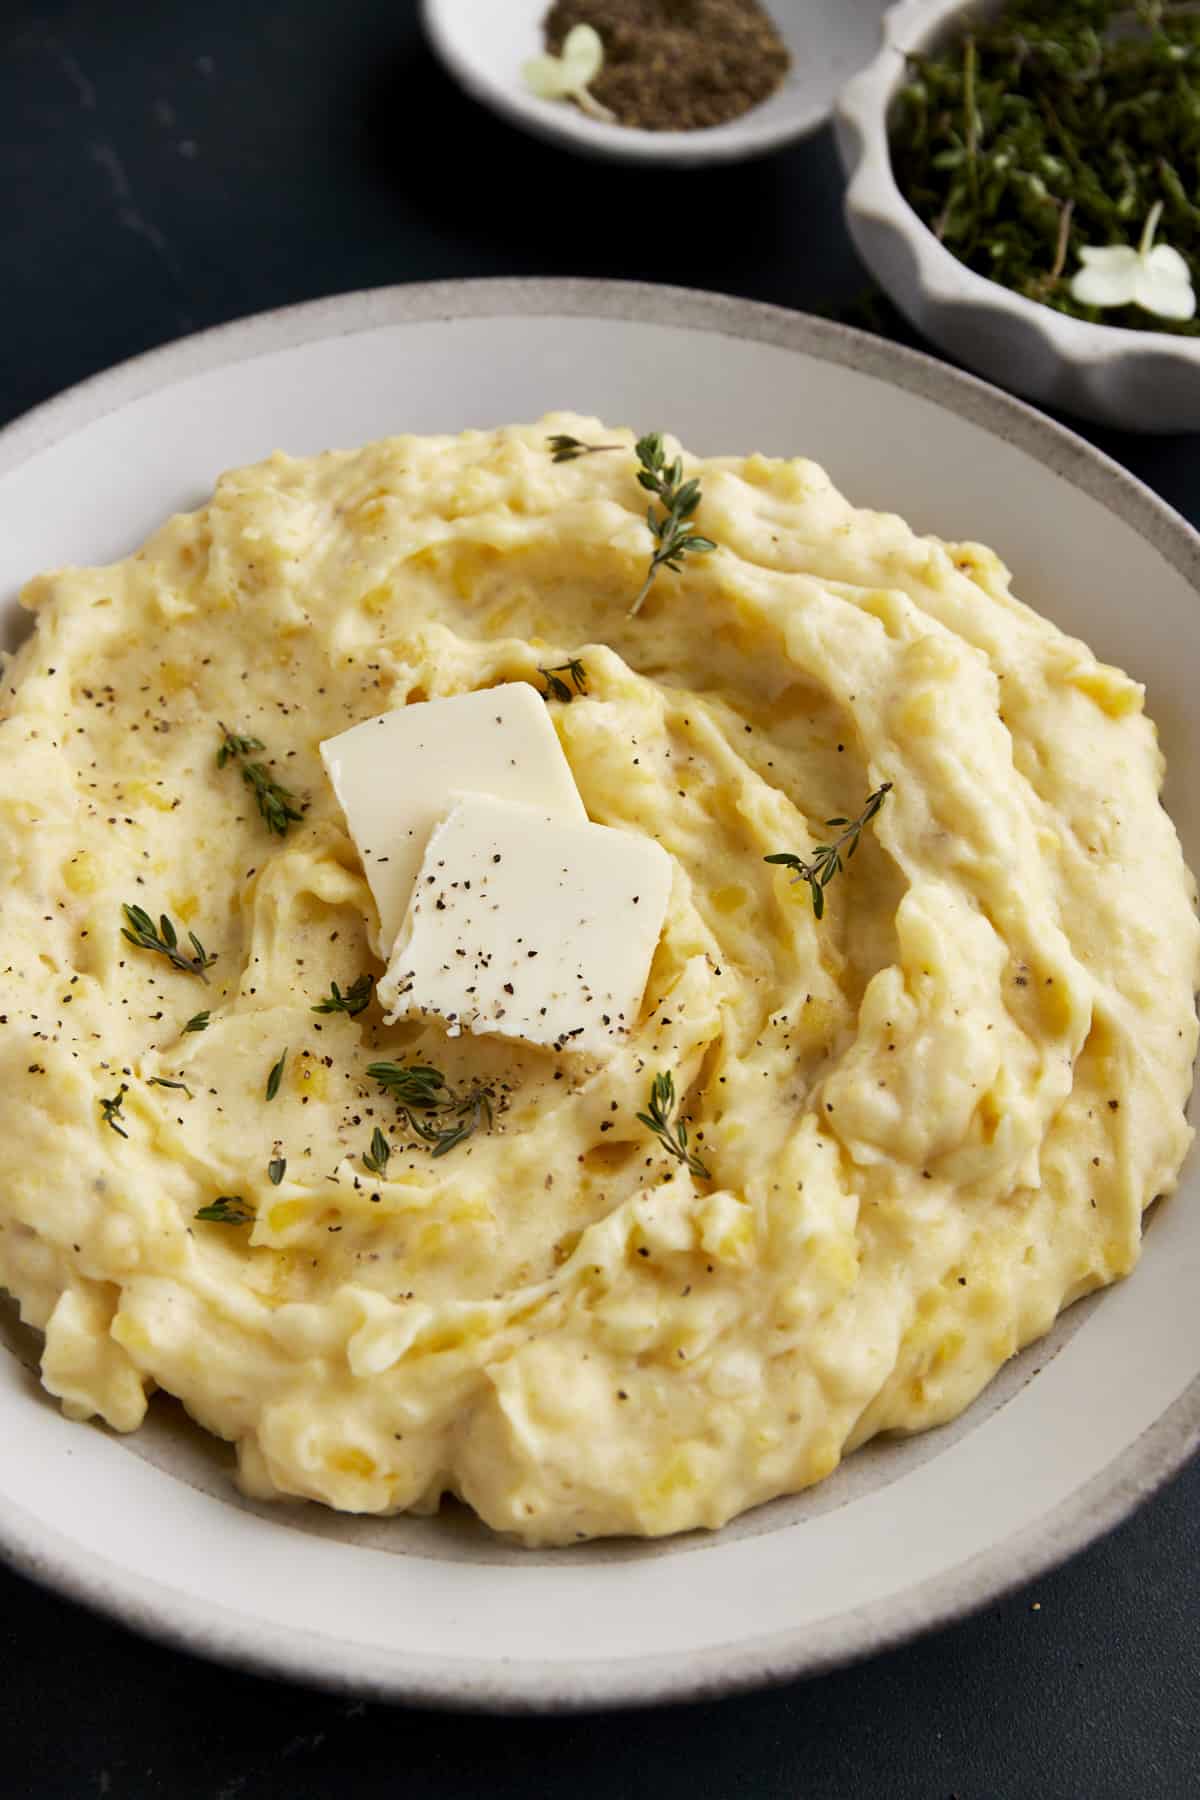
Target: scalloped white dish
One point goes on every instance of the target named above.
(1136, 380)
(906, 1535)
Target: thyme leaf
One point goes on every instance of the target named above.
(158, 1081)
(827, 860)
(416, 1085)
(276, 1076)
(376, 1159)
(467, 1115)
(425, 1099)
(672, 1135)
(557, 688)
(276, 1170)
(670, 530)
(198, 1022)
(228, 1209)
(356, 998)
(275, 802)
(140, 930)
(565, 448)
(111, 1109)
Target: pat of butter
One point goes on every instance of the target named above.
(395, 777)
(529, 926)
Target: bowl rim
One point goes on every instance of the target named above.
(872, 192)
(476, 1684)
(559, 123)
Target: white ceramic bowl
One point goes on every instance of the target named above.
(483, 43)
(910, 1532)
(1139, 380)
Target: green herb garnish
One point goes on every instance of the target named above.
(356, 998)
(566, 449)
(229, 1209)
(422, 1090)
(468, 1115)
(679, 499)
(417, 1085)
(140, 930)
(111, 1110)
(158, 1081)
(376, 1159)
(275, 802)
(673, 1136)
(276, 1170)
(827, 859)
(275, 1077)
(198, 1022)
(557, 688)
(1054, 126)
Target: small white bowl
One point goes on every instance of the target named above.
(484, 43)
(1138, 380)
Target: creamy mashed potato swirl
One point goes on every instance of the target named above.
(932, 1119)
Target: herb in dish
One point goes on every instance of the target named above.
(827, 859)
(356, 998)
(163, 939)
(198, 1022)
(276, 1170)
(274, 801)
(557, 688)
(421, 1091)
(680, 498)
(565, 448)
(158, 1081)
(228, 1209)
(1055, 129)
(276, 1076)
(674, 65)
(376, 1159)
(111, 1109)
(672, 1136)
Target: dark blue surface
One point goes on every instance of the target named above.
(168, 166)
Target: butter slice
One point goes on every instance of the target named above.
(395, 777)
(526, 925)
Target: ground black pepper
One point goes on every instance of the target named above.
(677, 65)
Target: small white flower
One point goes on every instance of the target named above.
(1153, 276)
(568, 76)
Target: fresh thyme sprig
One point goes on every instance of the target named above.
(376, 1159)
(158, 1081)
(276, 1170)
(198, 1022)
(827, 859)
(1049, 126)
(673, 1136)
(420, 1089)
(111, 1110)
(276, 1076)
(566, 448)
(275, 802)
(356, 998)
(679, 498)
(228, 1209)
(469, 1114)
(557, 688)
(163, 940)
(417, 1085)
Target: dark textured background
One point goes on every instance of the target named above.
(166, 166)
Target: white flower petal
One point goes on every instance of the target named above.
(1107, 286)
(546, 77)
(582, 55)
(1161, 291)
(1110, 257)
(1170, 262)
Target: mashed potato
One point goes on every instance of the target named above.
(931, 1119)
